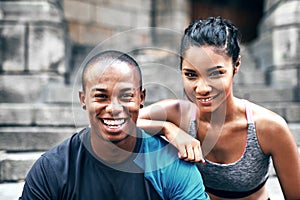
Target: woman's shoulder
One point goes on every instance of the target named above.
(270, 127)
(265, 116)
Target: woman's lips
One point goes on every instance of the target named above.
(208, 99)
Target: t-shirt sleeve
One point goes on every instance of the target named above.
(184, 181)
(41, 182)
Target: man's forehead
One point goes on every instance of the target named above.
(114, 72)
(103, 67)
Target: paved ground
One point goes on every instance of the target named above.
(11, 191)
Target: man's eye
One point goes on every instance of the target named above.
(102, 96)
(127, 96)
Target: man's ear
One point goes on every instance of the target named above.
(237, 65)
(143, 97)
(82, 99)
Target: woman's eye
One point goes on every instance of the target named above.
(216, 73)
(190, 75)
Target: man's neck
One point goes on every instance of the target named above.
(113, 152)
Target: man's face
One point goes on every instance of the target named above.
(112, 98)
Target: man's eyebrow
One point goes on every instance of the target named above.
(127, 89)
(98, 89)
(214, 68)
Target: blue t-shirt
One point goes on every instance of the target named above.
(71, 171)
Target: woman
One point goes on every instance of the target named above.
(237, 137)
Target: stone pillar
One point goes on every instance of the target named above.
(32, 48)
(278, 46)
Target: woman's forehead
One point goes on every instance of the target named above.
(205, 55)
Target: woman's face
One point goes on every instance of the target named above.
(207, 77)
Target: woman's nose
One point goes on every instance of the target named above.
(202, 87)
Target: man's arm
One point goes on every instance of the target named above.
(40, 182)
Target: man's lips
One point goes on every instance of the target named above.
(114, 123)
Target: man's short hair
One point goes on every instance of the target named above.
(107, 58)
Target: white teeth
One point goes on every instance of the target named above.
(116, 122)
(208, 99)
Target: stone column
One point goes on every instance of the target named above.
(33, 48)
(277, 49)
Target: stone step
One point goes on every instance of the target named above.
(295, 129)
(290, 111)
(32, 138)
(15, 166)
(20, 139)
(261, 94)
(24, 114)
(11, 191)
(248, 77)
(61, 94)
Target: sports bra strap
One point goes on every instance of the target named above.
(249, 114)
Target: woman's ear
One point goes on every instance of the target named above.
(82, 99)
(237, 65)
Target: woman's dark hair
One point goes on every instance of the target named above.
(213, 31)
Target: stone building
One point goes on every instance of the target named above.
(44, 42)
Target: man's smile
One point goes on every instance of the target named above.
(114, 123)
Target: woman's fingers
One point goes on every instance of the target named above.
(182, 154)
(194, 154)
(198, 154)
(190, 153)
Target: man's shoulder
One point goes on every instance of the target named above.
(156, 142)
(63, 151)
(155, 153)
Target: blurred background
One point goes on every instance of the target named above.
(43, 44)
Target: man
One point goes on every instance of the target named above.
(112, 159)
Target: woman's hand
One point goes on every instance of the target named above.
(189, 148)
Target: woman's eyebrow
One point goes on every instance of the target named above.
(189, 70)
(214, 68)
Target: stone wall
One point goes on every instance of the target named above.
(277, 48)
(33, 48)
(149, 30)
(93, 21)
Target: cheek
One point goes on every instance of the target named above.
(95, 107)
(133, 107)
(223, 84)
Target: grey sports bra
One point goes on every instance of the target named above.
(243, 177)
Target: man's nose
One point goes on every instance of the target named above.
(114, 107)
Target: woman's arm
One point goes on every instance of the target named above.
(177, 111)
(279, 142)
(172, 118)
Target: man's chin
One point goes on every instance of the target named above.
(116, 141)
